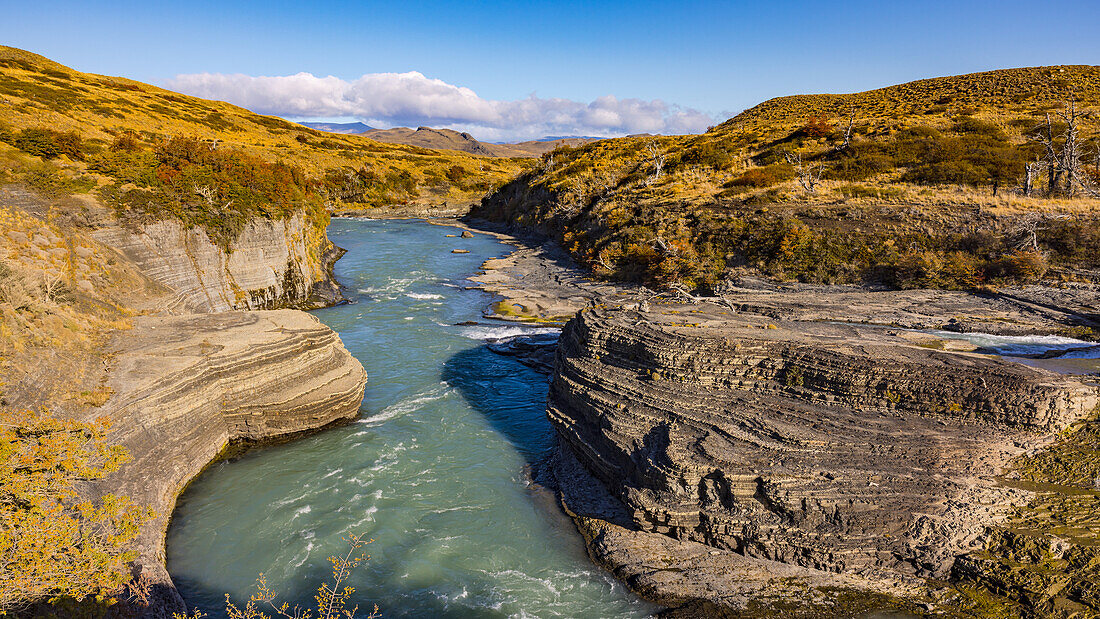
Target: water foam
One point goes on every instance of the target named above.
(423, 295)
(1016, 345)
(489, 332)
(407, 405)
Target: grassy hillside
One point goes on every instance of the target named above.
(96, 112)
(916, 185)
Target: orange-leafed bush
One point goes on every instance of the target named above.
(52, 543)
(816, 127)
(1027, 266)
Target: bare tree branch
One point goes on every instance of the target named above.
(657, 158)
(808, 176)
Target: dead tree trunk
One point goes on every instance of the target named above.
(808, 176)
(658, 160)
(847, 133)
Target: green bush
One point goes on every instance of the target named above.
(715, 154)
(763, 177)
(218, 190)
(47, 143)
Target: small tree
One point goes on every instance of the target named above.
(51, 543)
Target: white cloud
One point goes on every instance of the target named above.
(412, 99)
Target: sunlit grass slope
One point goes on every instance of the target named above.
(36, 92)
(920, 184)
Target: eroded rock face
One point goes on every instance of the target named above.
(188, 385)
(273, 263)
(840, 448)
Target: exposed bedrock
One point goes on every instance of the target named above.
(840, 448)
(187, 386)
(273, 263)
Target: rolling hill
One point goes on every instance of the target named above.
(946, 182)
(347, 128)
(448, 139)
(39, 94)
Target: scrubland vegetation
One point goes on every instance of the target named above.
(984, 179)
(966, 182)
(54, 546)
(144, 138)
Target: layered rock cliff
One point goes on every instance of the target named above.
(842, 449)
(272, 263)
(187, 386)
(97, 319)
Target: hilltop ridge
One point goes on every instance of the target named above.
(449, 139)
(36, 92)
(1003, 89)
(925, 184)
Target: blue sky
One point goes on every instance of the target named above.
(613, 60)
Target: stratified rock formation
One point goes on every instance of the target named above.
(132, 331)
(272, 263)
(844, 449)
(188, 386)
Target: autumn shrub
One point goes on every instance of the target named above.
(766, 176)
(930, 269)
(52, 543)
(1021, 266)
(816, 127)
(457, 173)
(127, 141)
(47, 143)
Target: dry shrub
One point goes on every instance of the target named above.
(52, 543)
(1024, 266)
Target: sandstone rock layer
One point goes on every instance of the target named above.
(187, 386)
(273, 263)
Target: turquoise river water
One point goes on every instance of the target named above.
(433, 470)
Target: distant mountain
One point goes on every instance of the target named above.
(448, 139)
(426, 137)
(555, 138)
(346, 128)
(535, 148)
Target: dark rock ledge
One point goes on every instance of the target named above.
(730, 465)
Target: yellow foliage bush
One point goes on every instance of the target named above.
(51, 542)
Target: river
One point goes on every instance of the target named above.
(434, 470)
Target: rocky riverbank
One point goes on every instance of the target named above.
(187, 387)
(764, 452)
(104, 320)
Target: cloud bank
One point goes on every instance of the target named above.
(412, 99)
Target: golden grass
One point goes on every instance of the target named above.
(37, 92)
